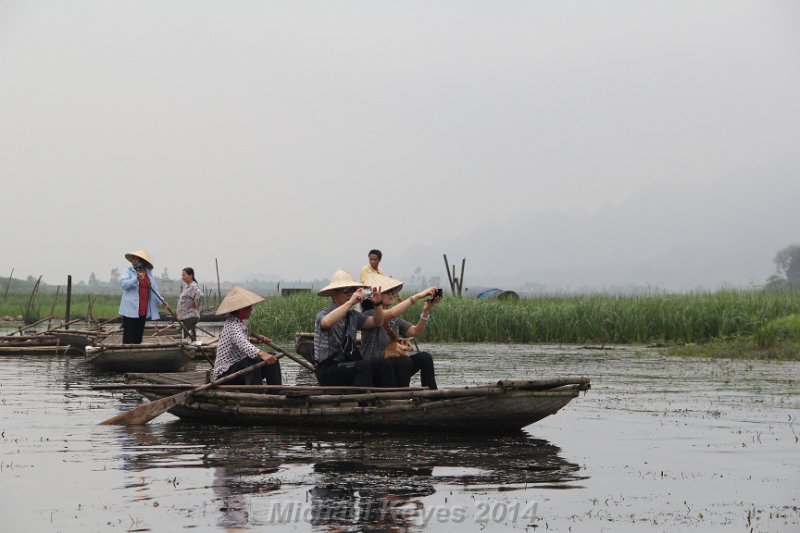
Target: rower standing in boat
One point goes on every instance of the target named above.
(234, 349)
(374, 341)
(336, 355)
(190, 303)
(137, 305)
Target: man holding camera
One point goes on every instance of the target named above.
(136, 305)
(336, 355)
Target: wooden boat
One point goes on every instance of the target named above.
(78, 339)
(502, 406)
(304, 345)
(205, 347)
(32, 345)
(155, 354)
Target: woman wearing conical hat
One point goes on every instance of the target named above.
(234, 349)
(138, 302)
(375, 341)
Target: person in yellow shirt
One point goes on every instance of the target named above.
(372, 268)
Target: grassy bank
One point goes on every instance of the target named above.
(723, 323)
(667, 319)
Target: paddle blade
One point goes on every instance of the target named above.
(145, 413)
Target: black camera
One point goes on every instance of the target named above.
(138, 267)
(437, 294)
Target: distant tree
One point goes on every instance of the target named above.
(775, 283)
(165, 275)
(114, 276)
(92, 280)
(787, 263)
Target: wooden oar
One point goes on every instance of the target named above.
(145, 413)
(29, 326)
(298, 360)
(188, 333)
(163, 301)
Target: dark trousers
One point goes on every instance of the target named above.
(133, 329)
(365, 373)
(422, 362)
(270, 373)
(402, 368)
(190, 324)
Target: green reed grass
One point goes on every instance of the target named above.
(104, 306)
(600, 318)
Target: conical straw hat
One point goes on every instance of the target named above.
(141, 254)
(341, 279)
(383, 282)
(237, 298)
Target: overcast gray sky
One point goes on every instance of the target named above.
(291, 137)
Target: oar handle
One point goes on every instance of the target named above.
(146, 412)
(268, 342)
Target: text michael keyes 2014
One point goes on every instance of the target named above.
(368, 510)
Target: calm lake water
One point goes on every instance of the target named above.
(657, 444)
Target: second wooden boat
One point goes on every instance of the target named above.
(155, 354)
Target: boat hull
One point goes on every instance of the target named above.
(505, 406)
(138, 358)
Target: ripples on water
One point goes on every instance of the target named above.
(61, 471)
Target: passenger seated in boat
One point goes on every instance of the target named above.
(336, 355)
(375, 340)
(234, 349)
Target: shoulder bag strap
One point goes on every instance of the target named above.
(391, 333)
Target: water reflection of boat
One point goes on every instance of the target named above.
(360, 481)
(154, 354)
(502, 406)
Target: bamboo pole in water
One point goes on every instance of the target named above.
(53, 306)
(449, 277)
(461, 279)
(69, 301)
(32, 299)
(29, 326)
(219, 289)
(291, 389)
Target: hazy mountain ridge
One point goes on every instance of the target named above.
(670, 236)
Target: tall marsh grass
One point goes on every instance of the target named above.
(597, 318)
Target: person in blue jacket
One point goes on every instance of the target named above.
(138, 301)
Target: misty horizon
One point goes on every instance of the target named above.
(568, 147)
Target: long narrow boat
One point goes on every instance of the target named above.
(502, 406)
(304, 345)
(32, 345)
(155, 354)
(78, 339)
